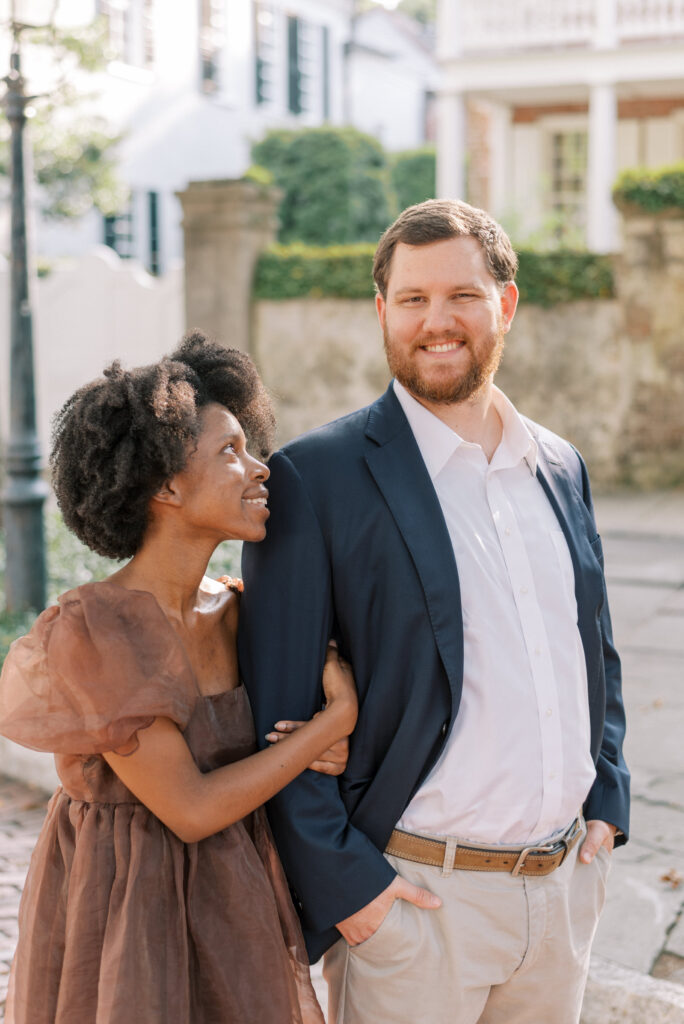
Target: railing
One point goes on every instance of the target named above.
(648, 19)
(485, 25)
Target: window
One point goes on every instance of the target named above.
(118, 14)
(148, 53)
(130, 30)
(211, 40)
(264, 36)
(300, 65)
(119, 234)
(568, 183)
(154, 253)
(325, 70)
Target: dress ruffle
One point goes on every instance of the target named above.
(94, 669)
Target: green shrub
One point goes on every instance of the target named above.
(413, 176)
(334, 183)
(651, 190)
(544, 279)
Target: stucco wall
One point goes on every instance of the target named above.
(606, 374)
(567, 367)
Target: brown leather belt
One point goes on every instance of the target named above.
(518, 860)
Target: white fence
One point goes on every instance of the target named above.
(86, 315)
(489, 25)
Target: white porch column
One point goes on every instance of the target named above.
(451, 114)
(451, 145)
(602, 168)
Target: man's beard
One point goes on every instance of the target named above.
(448, 390)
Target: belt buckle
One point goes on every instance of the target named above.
(564, 841)
(520, 862)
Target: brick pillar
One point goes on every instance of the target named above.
(226, 225)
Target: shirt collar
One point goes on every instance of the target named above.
(438, 442)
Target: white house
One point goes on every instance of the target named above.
(542, 103)
(192, 84)
(391, 78)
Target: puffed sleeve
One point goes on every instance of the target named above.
(96, 668)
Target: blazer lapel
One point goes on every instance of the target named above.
(400, 473)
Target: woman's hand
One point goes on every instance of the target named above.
(339, 687)
(340, 694)
(332, 762)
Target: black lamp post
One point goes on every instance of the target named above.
(25, 490)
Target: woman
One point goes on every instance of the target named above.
(154, 893)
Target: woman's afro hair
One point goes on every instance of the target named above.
(118, 439)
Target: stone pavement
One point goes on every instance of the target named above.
(642, 928)
(22, 809)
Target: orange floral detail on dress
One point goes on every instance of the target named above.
(232, 583)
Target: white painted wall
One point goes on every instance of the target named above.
(390, 71)
(98, 309)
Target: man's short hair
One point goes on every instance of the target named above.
(438, 219)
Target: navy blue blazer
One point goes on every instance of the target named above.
(358, 549)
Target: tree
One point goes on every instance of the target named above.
(73, 151)
(334, 182)
(413, 176)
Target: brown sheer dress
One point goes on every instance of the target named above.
(120, 922)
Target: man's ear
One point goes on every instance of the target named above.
(168, 493)
(381, 308)
(509, 304)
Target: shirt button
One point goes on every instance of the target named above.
(444, 728)
(549, 712)
(537, 651)
(507, 531)
(523, 590)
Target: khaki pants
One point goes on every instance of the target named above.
(500, 950)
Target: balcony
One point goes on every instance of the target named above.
(494, 26)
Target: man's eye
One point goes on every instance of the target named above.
(230, 448)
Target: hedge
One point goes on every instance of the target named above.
(336, 271)
(564, 275)
(345, 271)
(651, 190)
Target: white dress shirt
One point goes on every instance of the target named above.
(516, 766)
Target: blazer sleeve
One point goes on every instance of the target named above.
(608, 798)
(286, 620)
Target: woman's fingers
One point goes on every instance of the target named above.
(327, 767)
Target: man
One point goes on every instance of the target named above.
(450, 547)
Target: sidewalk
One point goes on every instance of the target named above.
(642, 927)
(22, 809)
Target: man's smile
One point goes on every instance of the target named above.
(446, 346)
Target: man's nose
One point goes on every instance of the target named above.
(438, 317)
